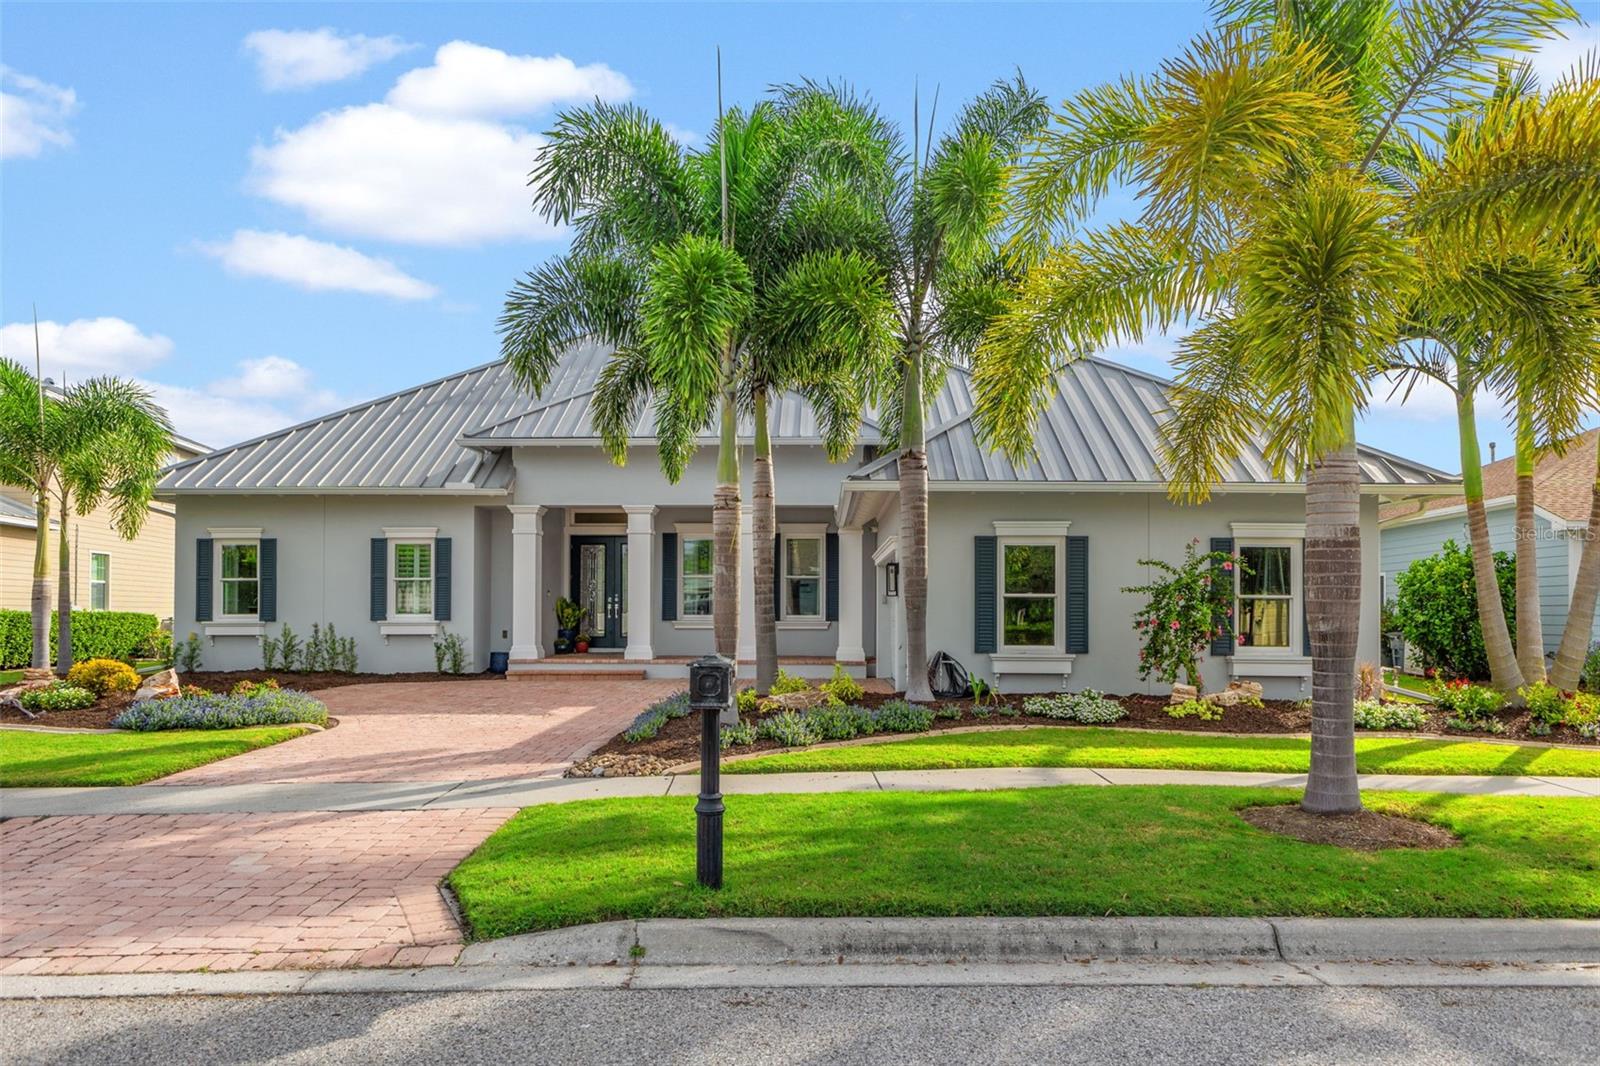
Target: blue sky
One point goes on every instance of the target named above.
(269, 211)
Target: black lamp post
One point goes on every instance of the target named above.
(710, 693)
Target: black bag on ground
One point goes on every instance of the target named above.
(948, 679)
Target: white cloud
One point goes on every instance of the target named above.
(314, 265)
(471, 80)
(298, 59)
(1424, 400)
(85, 347)
(1559, 55)
(378, 171)
(432, 164)
(270, 377)
(33, 115)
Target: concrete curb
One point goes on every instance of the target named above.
(1003, 941)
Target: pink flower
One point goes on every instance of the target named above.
(1230, 612)
(1241, 639)
(1174, 623)
(1227, 566)
(1205, 579)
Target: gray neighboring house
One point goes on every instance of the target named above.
(1563, 490)
(466, 506)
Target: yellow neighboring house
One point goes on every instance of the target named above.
(108, 573)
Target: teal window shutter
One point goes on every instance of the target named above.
(777, 575)
(202, 580)
(984, 603)
(1077, 595)
(831, 580)
(441, 579)
(669, 577)
(380, 579)
(267, 571)
(1222, 644)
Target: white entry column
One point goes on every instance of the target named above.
(641, 579)
(527, 586)
(747, 587)
(850, 648)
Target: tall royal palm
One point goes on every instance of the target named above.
(717, 276)
(944, 208)
(102, 442)
(1255, 157)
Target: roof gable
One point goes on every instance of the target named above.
(1562, 484)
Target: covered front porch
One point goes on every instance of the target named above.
(642, 574)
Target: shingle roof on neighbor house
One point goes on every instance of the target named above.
(453, 435)
(1103, 425)
(1562, 484)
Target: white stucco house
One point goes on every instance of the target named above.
(466, 506)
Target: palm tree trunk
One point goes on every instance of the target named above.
(1504, 673)
(1333, 610)
(39, 601)
(914, 528)
(1530, 626)
(64, 593)
(725, 534)
(1575, 636)
(764, 529)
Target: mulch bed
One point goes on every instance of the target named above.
(224, 680)
(679, 739)
(96, 717)
(1362, 831)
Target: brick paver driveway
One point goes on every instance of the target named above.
(117, 894)
(477, 730)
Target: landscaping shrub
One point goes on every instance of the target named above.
(1546, 703)
(1437, 609)
(101, 676)
(1204, 710)
(1589, 680)
(947, 711)
(787, 683)
(839, 721)
(743, 733)
(1583, 714)
(841, 687)
(1007, 710)
(788, 728)
(1470, 702)
(189, 654)
(157, 646)
(95, 635)
(747, 701)
(216, 711)
(1374, 714)
(256, 688)
(1183, 612)
(649, 721)
(1089, 707)
(1469, 725)
(449, 654)
(898, 716)
(57, 696)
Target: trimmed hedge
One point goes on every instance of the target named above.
(95, 635)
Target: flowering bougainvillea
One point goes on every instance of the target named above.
(1182, 616)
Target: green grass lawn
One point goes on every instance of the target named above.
(10, 677)
(1151, 749)
(1080, 850)
(58, 760)
(1409, 682)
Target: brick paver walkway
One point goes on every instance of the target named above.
(131, 893)
(126, 893)
(445, 731)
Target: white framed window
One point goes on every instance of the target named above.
(696, 569)
(238, 568)
(1032, 590)
(99, 581)
(411, 579)
(1267, 609)
(803, 567)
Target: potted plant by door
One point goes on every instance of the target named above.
(583, 639)
(569, 616)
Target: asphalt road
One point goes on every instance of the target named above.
(1143, 1025)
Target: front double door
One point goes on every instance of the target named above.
(600, 586)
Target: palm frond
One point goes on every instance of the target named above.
(563, 302)
(1215, 403)
(620, 395)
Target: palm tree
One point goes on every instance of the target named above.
(1567, 669)
(944, 210)
(101, 442)
(1256, 158)
(717, 276)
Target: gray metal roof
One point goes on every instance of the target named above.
(18, 512)
(1102, 425)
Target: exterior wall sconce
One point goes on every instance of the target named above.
(891, 579)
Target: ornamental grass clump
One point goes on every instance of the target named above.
(1188, 607)
(214, 710)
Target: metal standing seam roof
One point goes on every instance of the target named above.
(1102, 425)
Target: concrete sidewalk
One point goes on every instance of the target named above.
(527, 792)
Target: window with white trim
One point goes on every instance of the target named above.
(1032, 585)
(411, 580)
(239, 578)
(696, 568)
(99, 581)
(802, 576)
(1267, 586)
